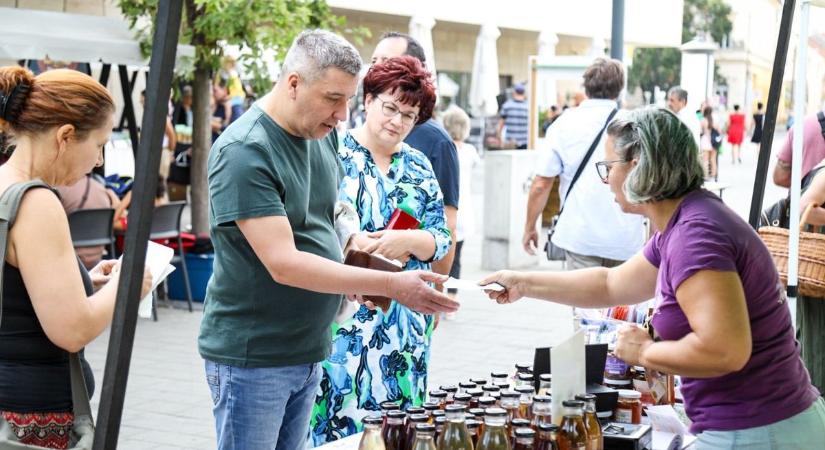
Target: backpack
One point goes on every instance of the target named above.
(715, 138)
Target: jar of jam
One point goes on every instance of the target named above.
(542, 410)
(462, 398)
(465, 386)
(616, 372)
(479, 382)
(486, 402)
(640, 384)
(510, 401)
(629, 407)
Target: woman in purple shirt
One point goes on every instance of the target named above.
(720, 311)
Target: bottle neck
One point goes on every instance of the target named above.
(424, 435)
(495, 421)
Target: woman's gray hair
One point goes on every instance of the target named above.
(668, 160)
(457, 123)
(314, 51)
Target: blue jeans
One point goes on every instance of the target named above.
(262, 408)
(804, 431)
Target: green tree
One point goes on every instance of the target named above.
(257, 26)
(662, 66)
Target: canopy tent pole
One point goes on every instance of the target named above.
(132, 82)
(129, 107)
(105, 71)
(121, 340)
(769, 123)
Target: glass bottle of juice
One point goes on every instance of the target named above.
(473, 427)
(525, 407)
(429, 407)
(451, 390)
(572, 434)
(547, 437)
(515, 425)
(525, 439)
(595, 440)
(545, 384)
(371, 440)
(393, 431)
(413, 421)
(494, 432)
(475, 394)
(439, 397)
(440, 421)
(424, 437)
(462, 398)
(387, 407)
(542, 410)
(510, 402)
(455, 435)
(486, 402)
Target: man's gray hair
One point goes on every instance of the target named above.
(668, 161)
(678, 92)
(314, 51)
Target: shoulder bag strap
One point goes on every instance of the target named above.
(820, 116)
(9, 205)
(587, 158)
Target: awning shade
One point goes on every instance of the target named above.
(29, 34)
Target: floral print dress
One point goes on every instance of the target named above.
(380, 356)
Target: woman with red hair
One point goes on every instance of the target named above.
(378, 355)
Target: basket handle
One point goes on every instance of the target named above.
(805, 214)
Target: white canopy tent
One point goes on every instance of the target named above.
(29, 34)
(484, 86)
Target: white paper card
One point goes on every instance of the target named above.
(567, 365)
(468, 285)
(157, 261)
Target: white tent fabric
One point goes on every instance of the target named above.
(484, 86)
(421, 29)
(447, 87)
(29, 34)
(546, 94)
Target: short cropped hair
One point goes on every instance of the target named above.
(668, 161)
(680, 93)
(457, 123)
(408, 78)
(604, 79)
(314, 51)
(414, 48)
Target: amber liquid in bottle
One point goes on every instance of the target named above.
(371, 439)
(572, 435)
(393, 432)
(494, 434)
(595, 440)
(455, 435)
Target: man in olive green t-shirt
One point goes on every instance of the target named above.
(277, 281)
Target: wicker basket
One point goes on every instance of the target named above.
(811, 256)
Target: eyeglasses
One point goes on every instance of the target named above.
(603, 168)
(390, 110)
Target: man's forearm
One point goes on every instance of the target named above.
(537, 200)
(312, 272)
(782, 174)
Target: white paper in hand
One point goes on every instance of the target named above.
(157, 261)
(467, 285)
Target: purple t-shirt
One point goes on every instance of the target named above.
(704, 234)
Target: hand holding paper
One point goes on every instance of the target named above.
(157, 262)
(467, 285)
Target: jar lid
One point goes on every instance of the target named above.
(490, 388)
(546, 377)
(525, 390)
(430, 406)
(415, 410)
(467, 385)
(510, 394)
(438, 394)
(449, 388)
(608, 382)
(418, 418)
(628, 393)
(455, 408)
(525, 433)
(525, 376)
(486, 401)
(498, 375)
(475, 392)
(438, 413)
(495, 412)
(425, 427)
(524, 367)
(463, 397)
(476, 411)
(440, 420)
(542, 399)
(573, 403)
(586, 397)
(396, 414)
(373, 420)
(387, 406)
(518, 423)
(544, 426)
(479, 381)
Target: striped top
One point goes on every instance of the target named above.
(514, 113)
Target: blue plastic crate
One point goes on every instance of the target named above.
(200, 270)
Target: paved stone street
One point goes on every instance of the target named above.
(168, 404)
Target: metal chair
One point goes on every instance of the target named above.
(92, 228)
(166, 224)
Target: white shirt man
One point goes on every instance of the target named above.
(592, 224)
(677, 102)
